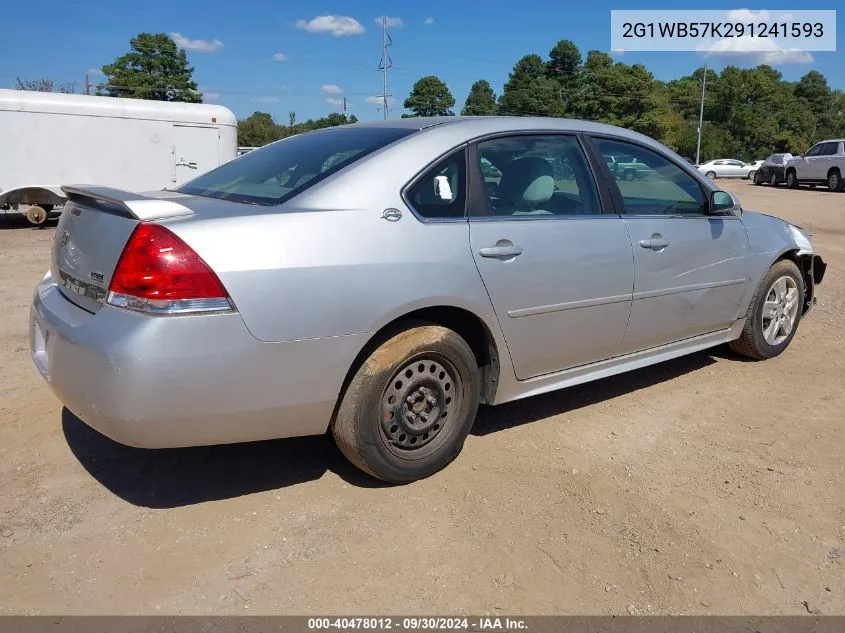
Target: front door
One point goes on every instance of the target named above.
(194, 151)
(690, 268)
(558, 271)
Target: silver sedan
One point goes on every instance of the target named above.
(381, 280)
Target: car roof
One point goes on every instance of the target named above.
(493, 124)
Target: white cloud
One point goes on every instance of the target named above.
(335, 102)
(428, 21)
(393, 23)
(265, 100)
(337, 25)
(210, 96)
(331, 89)
(747, 15)
(95, 71)
(379, 100)
(280, 57)
(202, 46)
(755, 50)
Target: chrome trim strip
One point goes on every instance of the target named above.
(692, 287)
(169, 307)
(569, 305)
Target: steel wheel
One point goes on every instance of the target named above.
(417, 403)
(780, 310)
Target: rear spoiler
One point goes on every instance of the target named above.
(135, 205)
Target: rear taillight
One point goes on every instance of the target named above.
(158, 273)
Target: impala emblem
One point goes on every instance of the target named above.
(392, 215)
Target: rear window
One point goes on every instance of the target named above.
(275, 173)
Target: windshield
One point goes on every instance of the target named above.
(277, 172)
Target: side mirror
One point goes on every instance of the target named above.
(724, 203)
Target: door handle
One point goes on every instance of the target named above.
(500, 251)
(656, 242)
(183, 163)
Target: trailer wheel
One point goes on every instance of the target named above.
(36, 215)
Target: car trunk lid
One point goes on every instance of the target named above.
(93, 229)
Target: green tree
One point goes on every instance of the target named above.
(529, 91)
(258, 129)
(481, 100)
(564, 67)
(430, 97)
(154, 69)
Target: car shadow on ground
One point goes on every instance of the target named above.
(169, 478)
(12, 221)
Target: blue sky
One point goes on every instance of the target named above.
(280, 56)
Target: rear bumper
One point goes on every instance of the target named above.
(160, 382)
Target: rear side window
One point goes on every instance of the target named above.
(441, 191)
(829, 149)
(275, 173)
(538, 175)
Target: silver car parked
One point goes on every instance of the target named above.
(374, 279)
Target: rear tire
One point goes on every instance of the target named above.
(409, 407)
(834, 180)
(36, 215)
(630, 175)
(773, 317)
(711, 175)
(792, 179)
(752, 174)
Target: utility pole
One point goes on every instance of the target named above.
(344, 106)
(701, 118)
(385, 63)
(87, 85)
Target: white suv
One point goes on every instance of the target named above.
(823, 163)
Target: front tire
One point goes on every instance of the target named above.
(834, 180)
(774, 313)
(758, 179)
(791, 179)
(409, 407)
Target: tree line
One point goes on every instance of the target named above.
(748, 112)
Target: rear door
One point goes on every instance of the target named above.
(557, 269)
(690, 268)
(194, 151)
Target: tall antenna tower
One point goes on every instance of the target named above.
(385, 63)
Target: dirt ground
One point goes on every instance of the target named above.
(702, 485)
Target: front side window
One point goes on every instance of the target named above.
(667, 189)
(538, 175)
(441, 191)
(275, 173)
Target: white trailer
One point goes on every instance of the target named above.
(48, 140)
